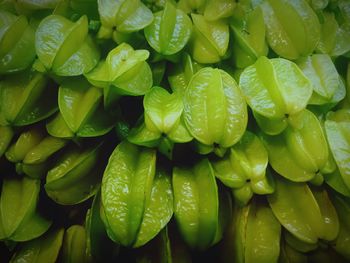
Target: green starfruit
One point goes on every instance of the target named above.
(209, 41)
(74, 245)
(124, 72)
(137, 199)
(198, 211)
(215, 112)
(33, 152)
(123, 16)
(292, 27)
(244, 169)
(17, 49)
(169, 31)
(254, 234)
(20, 219)
(76, 175)
(162, 121)
(337, 126)
(249, 35)
(26, 98)
(300, 152)
(43, 249)
(64, 47)
(328, 87)
(275, 89)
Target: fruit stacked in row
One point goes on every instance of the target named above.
(160, 131)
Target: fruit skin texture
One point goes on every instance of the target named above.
(215, 112)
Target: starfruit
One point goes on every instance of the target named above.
(6, 134)
(249, 35)
(74, 245)
(289, 254)
(34, 151)
(163, 121)
(99, 248)
(20, 219)
(292, 27)
(137, 200)
(307, 215)
(244, 169)
(124, 72)
(254, 234)
(169, 31)
(65, 48)
(275, 89)
(42, 249)
(342, 242)
(192, 6)
(81, 111)
(17, 36)
(76, 175)
(335, 37)
(197, 208)
(215, 112)
(209, 40)
(122, 16)
(165, 247)
(218, 9)
(337, 126)
(328, 87)
(182, 73)
(26, 98)
(300, 152)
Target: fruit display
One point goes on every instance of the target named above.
(175, 131)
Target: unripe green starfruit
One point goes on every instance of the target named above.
(163, 123)
(65, 48)
(328, 87)
(122, 16)
(215, 112)
(300, 152)
(254, 234)
(288, 39)
(244, 169)
(20, 219)
(197, 208)
(137, 200)
(249, 35)
(169, 31)
(124, 72)
(26, 98)
(34, 151)
(275, 89)
(76, 175)
(74, 245)
(337, 126)
(209, 41)
(306, 215)
(17, 36)
(6, 134)
(81, 111)
(43, 249)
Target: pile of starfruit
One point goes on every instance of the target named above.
(175, 131)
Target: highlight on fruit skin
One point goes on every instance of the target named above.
(175, 131)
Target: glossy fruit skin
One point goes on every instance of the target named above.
(214, 110)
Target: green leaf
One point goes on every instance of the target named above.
(214, 109)
(169, 31)
(196, 204)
